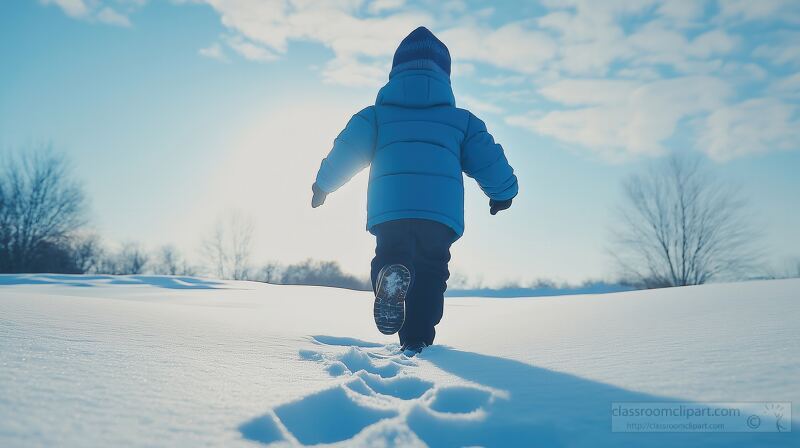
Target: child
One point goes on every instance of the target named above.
(418, 144)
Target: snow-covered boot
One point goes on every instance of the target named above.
(390, 294)
(413, 348)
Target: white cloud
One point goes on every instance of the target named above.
(682, 11)
(517, 96)
(592, 39)
(643, 108)
(640, 73)
(72, 8)
(574, 92)
(602, 10)
(111, 17)
(480, 106)
(669, 67)
(213, 51)
(748, 10)
(588, 42)
(713, 42)
(461, 69)
(744, 72)
(657, 44)
(354, 73)
(270, 25)
(502, 80)
(786, 52)
(619, 77)
(752, 126)
(333, 24)
(788, 87)
(249, 50)
(624, 117)
(454, 7)
(95, 10)
(379, 6)
(512, 46)
(577, 27)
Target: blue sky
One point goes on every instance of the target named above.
(175, 112)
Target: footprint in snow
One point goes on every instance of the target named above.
(381, 396)
(402, 387)
(460, 399)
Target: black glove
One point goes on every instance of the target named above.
(319, 196)
(496, 206)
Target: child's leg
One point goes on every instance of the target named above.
(392, 275)
(425, 300)
(394, 243)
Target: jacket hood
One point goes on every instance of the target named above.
(417, 84)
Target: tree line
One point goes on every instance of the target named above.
(44, 229)
(677, 225)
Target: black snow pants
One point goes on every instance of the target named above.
(423, 246)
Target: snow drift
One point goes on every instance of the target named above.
(178, 361)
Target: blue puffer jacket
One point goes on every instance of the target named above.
(418, 144)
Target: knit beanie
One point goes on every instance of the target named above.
(422, 44)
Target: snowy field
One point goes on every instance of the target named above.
(162, 361)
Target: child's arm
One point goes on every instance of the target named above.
(352, 151)
(483, 160)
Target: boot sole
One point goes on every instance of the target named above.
(389, 309)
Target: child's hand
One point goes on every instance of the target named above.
(319, 196)
(496, 206)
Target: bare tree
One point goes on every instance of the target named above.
(680, 226)
(228, 247)
(87, 252)
(215, 252)
(458, 280)
(169, 261)
(271, 273)
(311, 272)
(790, 268)
(41, 207)
(241, 238)
(130, 260)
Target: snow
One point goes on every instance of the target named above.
(178, 361)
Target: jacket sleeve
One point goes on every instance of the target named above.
(483, 160)
(352, 151)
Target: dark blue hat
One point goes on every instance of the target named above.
(421, 44)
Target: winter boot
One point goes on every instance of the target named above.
(390, 294)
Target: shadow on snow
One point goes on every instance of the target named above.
(534, 406)
(158, 281)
